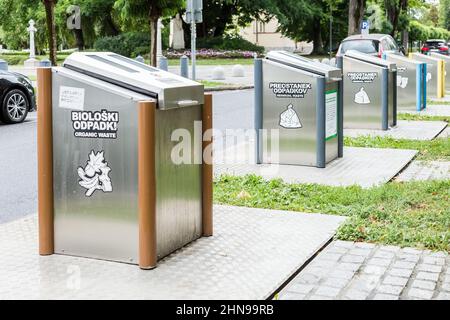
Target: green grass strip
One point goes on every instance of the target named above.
(413, 214)
(437, 149)
(419, 117)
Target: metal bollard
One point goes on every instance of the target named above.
(184, 66)
(163, 63)
(3, 65)
(45, 63)
(140, 59)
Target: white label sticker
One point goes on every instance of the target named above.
(71, 98)
(331, 114)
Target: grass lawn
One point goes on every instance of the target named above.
(437, 149)
(438, 102)
(418, 117)
(215, 84)
(413, 214)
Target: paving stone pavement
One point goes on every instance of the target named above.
(425, 170)
(363, 271)
(413, 130)
(432, 110)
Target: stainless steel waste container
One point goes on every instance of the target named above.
(446, 60)
(411, 82)
(122, 189)
(435, 74)
(370, 91)
(302, 100)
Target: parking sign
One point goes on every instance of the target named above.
(365, 27)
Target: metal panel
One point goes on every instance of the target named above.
(363, 87)
(447, 67)
(103, 225)
(432, 73)
(408, 88)
(179, 187)
(296, 145)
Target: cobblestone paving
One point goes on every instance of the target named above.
(426, 170)
(363, 271)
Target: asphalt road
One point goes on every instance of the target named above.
(18, 170)
(18, 165)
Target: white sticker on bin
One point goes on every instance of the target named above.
(71, 98)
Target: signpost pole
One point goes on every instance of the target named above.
(193, 47)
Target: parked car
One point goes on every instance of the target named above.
(435, 45)
(374, 44)
(17, 97)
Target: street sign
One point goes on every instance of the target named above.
(194, 11)
(365, 27)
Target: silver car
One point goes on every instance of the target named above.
(374, 44)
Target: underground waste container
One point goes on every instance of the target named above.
(435, 74)
(446, 60)
(113, 181)
(301, 100)
(411, 82)
(370, 91)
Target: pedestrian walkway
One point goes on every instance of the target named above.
(412, 130)
(432, 110)
(360, 271)
(366, 167)
(252, 253)
(426, 170)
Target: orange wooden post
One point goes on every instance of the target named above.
(45, 161)
(207, 169)
(147, 185)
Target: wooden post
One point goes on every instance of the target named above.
(207, 170)
(147, 185)
(45, 161)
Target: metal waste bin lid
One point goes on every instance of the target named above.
(392, 67)
(398, 57)
(170, 90)
(293, 60)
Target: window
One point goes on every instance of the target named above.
(364, 46)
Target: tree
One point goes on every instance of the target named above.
(444, 17)
(151, 11)
(394, 9)
(51, 28)
(356, 11)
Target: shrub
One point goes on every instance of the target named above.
(14, 59)
(229, 43)
(128, 44)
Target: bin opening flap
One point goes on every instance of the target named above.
(298, 62)
(371, 59)
(171, 91)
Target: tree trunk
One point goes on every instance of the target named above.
(111, 28)
(356, 11)
(79, 38)
(51, 29)
(317, 38)
(153, 40)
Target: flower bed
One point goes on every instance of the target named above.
(211, 54)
